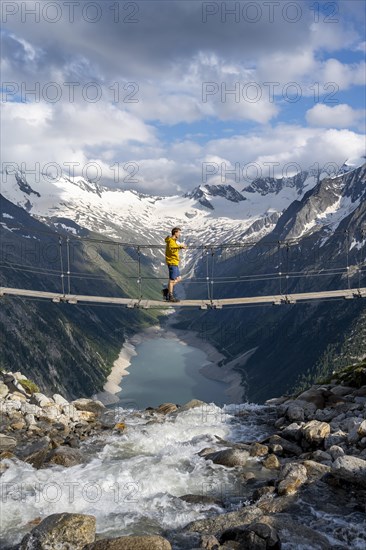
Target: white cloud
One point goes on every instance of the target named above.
(339, 116)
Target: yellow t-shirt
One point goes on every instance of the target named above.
(172, 251)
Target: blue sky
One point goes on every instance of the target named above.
(171, 61)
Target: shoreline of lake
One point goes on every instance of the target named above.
(226, 373)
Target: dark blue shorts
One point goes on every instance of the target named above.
(173, 272)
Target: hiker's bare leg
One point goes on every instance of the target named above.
(172, 283)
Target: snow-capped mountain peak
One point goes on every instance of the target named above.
(275, 185)
(204, 193)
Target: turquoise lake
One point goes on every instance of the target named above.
(166, 370)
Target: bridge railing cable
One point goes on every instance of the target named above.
(61, 267)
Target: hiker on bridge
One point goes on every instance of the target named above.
(172, 260)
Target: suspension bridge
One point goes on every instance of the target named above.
(201, 304)
(283, 274)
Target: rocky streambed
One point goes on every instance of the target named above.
(290, 474)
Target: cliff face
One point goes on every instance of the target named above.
(62, 347)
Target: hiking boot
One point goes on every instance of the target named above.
(165, 293)
(172, 298)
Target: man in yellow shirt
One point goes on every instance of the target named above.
(172, 260)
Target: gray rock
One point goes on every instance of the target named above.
(89, 405)
(321, 456)
(292, 431)
(288, 447)
(4, 390)
(292, 475)
(33, 452)
(191, 405)
(8, 406)
(314, 470)
(219, 523)
(166, 408)
(271, 462)
(40, 399)
(209, 542)
(148, 542)
(341, 390)
(314, 396)
(7, 443)
(229, 457)
(314, 432)
(59, 400)
(65, 456)
(294, 534)
(336, 451)
(336, 438)
(61, 531)
(362, 429)
(350, 468)
(257, 449)
(295, 412)
(256, 536)
(325, 415)
(353, 436)
(31, 408)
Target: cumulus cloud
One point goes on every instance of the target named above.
(339, 116)
(179, 74)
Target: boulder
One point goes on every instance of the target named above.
(166, 408)
(295, 412)
(292, 476)
(86, 415)
(362, 429)
(148, 542)
(33, 452)
(40, 399)
(4, 390)
(257, 449)
(313, 395)
(325, 415)
(341, 390)
(335, 451)
(256, 536)
(59, 400)
(336, 438)
(292, 431)
(49, 411)
(288, 447)
(219, 523)
(18, 425)
(271, 462)
(314, 432)
(294, 534)
(321, 456)
(65, 456)
(7, 443)
(62, 530)
(209, 542)
(191, 405)
(229, 457)
(262, 491)
(350, 468)
(89, 405)
(314, 470)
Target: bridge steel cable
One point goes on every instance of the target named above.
(61, 266)
(110, 241)
(283, 273)
(68, 264)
